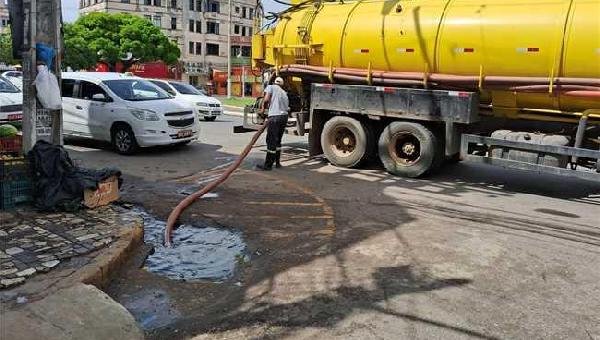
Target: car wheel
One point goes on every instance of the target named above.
(210, 119)
(123, 140)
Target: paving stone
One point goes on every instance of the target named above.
(6, 283)
(3, 233)
(51, 264)
(41, 243)
(26, 272)
(87, 237)
(7, 272)
(13, 251)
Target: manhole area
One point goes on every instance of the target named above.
(199, 252)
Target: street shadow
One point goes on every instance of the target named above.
(324, 310)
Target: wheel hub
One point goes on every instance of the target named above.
(343, 141)
(405, 148)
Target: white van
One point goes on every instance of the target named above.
(129, 112)
(207, 107)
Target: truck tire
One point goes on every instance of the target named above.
(346, 142)
(408, 149)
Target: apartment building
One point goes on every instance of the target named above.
(3, 16)
(198, 27)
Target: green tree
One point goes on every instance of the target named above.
(6, 55)
(109, 37)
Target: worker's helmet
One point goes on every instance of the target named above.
(279, 81)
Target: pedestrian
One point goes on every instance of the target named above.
(277, 99)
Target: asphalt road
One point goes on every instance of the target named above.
(472, 252)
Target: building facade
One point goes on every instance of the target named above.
(198, 27)
(3, 16)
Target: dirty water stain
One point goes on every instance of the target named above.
(199, 252)
(151, 309)
(556, 213)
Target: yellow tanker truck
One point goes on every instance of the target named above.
(514, 83)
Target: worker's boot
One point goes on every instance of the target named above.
(268, 162)
(278, 159)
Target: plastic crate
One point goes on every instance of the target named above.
(14, 168)
(15, 192)
(11, 144)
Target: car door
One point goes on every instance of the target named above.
(98, 110)
(69, 94)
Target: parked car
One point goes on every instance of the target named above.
(15, 77)
(129, 112)
(11, 102)
(206, 107)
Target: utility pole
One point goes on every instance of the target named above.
(42, 24)
(229, 52)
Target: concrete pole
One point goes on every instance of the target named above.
(229, 52)
(42, 25)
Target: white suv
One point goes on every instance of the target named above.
(128, 111)
(207, 107)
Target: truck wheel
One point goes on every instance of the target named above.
(408, 149)
(123, 140)
(345, 141)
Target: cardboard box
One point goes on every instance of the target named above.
(107, 192)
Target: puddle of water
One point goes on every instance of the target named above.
(199, 252)
(151, 309)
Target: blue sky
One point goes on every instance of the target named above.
(70, 8)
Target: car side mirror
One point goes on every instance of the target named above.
(100, 97)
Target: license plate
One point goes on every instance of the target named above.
(184, 133)
(15, 116)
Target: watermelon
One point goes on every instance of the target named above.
(7, 130)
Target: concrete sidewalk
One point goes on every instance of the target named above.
(45, 262)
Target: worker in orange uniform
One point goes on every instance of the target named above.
(277, 99)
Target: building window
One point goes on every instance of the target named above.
(199, 48)
(212, 49)
(125, 1)
(191, 24)
(243, 12)
(236, 29)
(237, 10)
(214, 7)
(246, 51)
(250, 13)
(249, 31)
(148, 17)
(157, 21)
(243, 31)
(173, 23)
(174, 4)
(191, 47)
(212, 28)
(192, 5)
(158, 3)
(147, 2)
(199, 27)
(199, 5)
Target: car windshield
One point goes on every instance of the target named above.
(136, 89)
(7, 87)
(186, 89)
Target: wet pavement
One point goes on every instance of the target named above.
(199, 252)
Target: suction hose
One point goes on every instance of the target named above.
(193, 197)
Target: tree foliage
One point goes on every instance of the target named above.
(109, 37)
(6, 55)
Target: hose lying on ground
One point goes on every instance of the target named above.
(174, 216)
